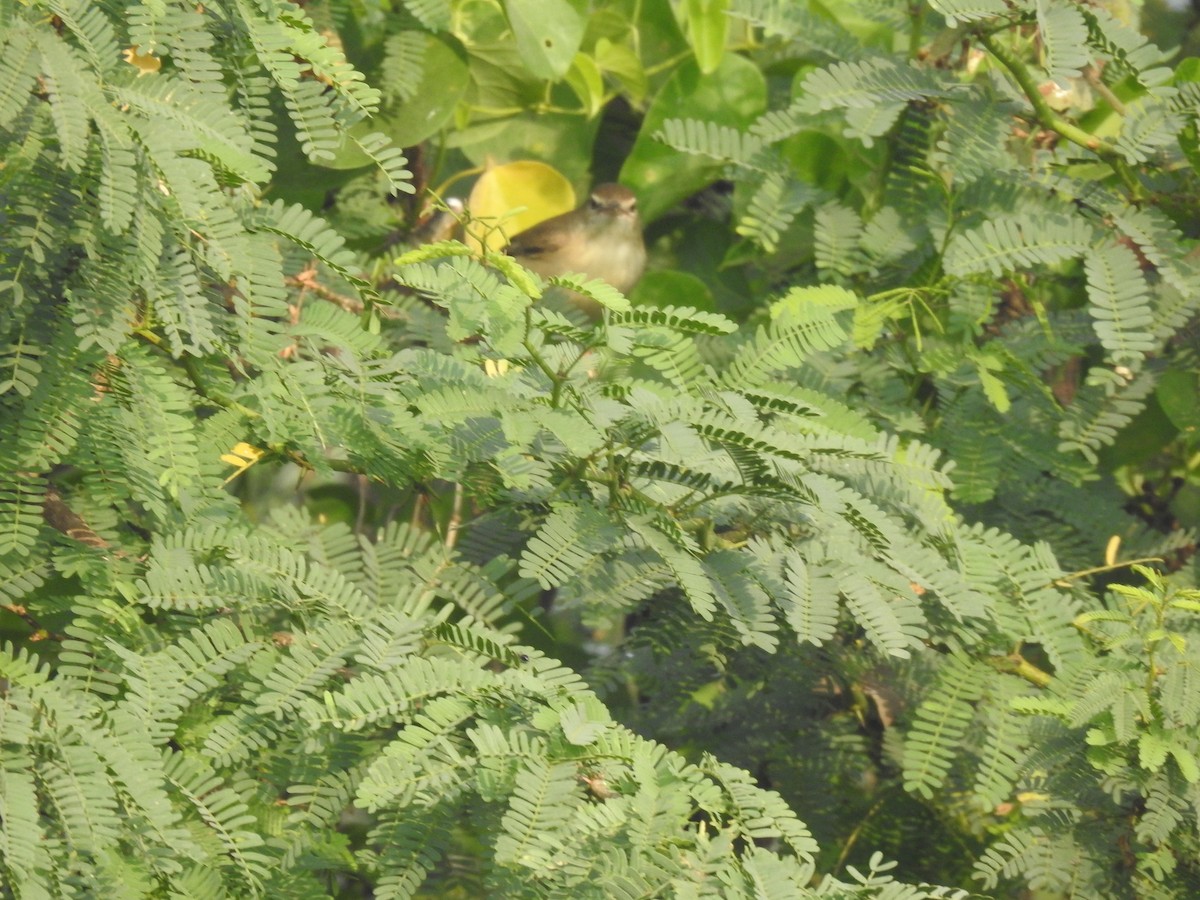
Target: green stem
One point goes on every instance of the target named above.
(1056, 123)
(854, 835)
(667, 63)
(916, 13)
(219, 399)
(194, 376)
(1096, 570)
(547, 370)
(1020, 666)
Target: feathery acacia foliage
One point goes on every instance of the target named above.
(207, 693)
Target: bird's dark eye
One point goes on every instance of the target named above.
(593, 203)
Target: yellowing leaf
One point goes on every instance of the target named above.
(146, 65)
(993, 389)
(517, 276)
(241, 457)
(537, 190)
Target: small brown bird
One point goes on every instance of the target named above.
(602, 239)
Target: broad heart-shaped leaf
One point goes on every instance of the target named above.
(563, 140)
(667, 288)
(548, 33)
(1177, 392)
(734, 95)
(707, 31)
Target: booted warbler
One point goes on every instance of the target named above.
(602, 239)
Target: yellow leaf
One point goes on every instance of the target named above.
(241, 457)
(509, 198)
(146, 65)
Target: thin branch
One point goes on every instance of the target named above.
(1092, 75)
(1065, 580)
(307, 281)
(455, 523)
(40, 631)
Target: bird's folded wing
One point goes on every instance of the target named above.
(538, 241)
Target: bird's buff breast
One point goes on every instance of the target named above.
(620, 263)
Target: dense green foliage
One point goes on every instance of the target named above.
(338, 562)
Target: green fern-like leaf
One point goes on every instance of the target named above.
(567, 541)
(762, 814)
(20, 833)
(1014, 854)
(211, 129)
(72, 93)
(1119, 303)
(410, 850)
(1164, 811)
(958, 11)
(159, 449)
(426, 764)
(973, 145)
(742, 597)
(811, 604)
(673, 355)
(775, 204)
(388, 158)
(433, 14)
(18, 71)
(1001, 759)
(1002, 244)
(868, 123)
(802, 329)
(677, 318)
(313, 658)
(710, 139)
(596, 290)
(1147, 129)
(868, 83)
(940, 725)
(838, 235)
(391, 695)
(1181, 703)
(163, 684)
(21, 499)
(894, 625)
(400, 71)
(1099, 414)
(683, 563)
(223, 810)
(544, 799)
(1064, 35)
(824, 37)
(1130, 50)
(76, 784)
